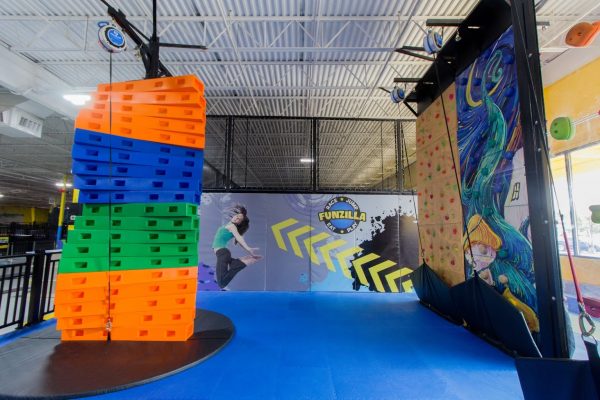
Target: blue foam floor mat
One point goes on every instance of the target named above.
(338, 346)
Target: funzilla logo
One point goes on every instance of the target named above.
(342, 215)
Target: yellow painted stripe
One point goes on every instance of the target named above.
(293, 237)
(309, 243)
(277, 231)
(358, 263)
(391, 277)
(376, 269)
(341, 259)
(327, 248)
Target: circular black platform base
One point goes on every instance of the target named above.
(41, 366)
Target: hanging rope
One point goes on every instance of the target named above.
(584, 317)
(414, 194)
(110, 73)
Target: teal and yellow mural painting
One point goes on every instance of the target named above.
(492, 171)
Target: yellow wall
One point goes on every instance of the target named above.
(587, 270)
(30, 214)
(577, 95)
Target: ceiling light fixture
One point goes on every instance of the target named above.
(77, 99)
(62, 185)
(1, 195)
(306, 160)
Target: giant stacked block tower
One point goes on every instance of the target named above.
(129, 268)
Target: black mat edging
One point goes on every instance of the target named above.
(199, 312)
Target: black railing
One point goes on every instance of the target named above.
(27, 283)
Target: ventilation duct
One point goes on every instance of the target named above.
(15, 122)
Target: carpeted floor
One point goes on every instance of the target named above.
(338, 346)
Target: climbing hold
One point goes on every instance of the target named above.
(582, 34)
(595, 209)
(562, 128)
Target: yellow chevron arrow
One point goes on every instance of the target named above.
(376, 269)
(277, 231)
(359, 262)
(293, 237)
(392, 276)
(309, 242)
(327, 248)
(341, 259)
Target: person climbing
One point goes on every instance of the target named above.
(227, 267)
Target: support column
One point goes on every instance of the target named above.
(553, 340)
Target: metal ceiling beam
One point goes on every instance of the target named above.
(257, 18)
(275, 50)
(202, 63)
(31, 80)
(232, 18)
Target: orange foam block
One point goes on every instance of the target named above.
(155, 333)
(151, 135)
(70, 296)
(81, 309)
(152, 318)
(185, 83)
(195, 113)
(83, 322)
(151, 303)
(84, 334)
(175, 287)
(139, 122)
(162, 98)
(80, 280)
(119, 278)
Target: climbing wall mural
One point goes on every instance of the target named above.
(492, 170)
(439, 200)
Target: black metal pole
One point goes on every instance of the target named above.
(35, 296)
(399, 161)
(154, 19)
(228, 152)
(313, 155)
(24, 291)
(553, 335)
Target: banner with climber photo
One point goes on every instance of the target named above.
(497, 243)
(303, 242)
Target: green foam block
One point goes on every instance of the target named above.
(82, 236)
(141, 210)
(138, 223)
(87, 250)
(101, 264)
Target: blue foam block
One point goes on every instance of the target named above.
(98, 139)
(93, 153)
(116, 197)
(134, 184)
(95, 168)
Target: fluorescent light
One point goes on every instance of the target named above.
(61, 184)
(1, 195)
(77, 99)
(306, 160)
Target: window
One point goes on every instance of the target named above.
(576, 180)
(585, 167)
(559, 172)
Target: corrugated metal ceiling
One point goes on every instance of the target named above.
(292, 58)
